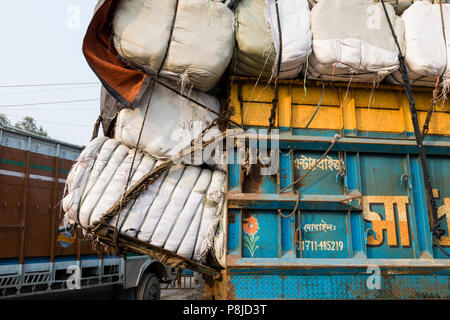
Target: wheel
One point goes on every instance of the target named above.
(149, 288)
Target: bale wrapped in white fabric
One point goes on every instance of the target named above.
(172, 122)
(201, 45)
(196, 239)
(352, 41)
(179, 229)
(257, 37)
(220, 248)
(427, 54)
(184, 198)
(210, 215)
(79, 175)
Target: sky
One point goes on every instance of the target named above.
(41, 45)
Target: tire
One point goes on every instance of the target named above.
(149, 288)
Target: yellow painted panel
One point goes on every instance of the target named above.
(313, 94)
(326, 117)
(257, 114)
(235, 105)
(258, 93)
(379, 120)
(423, 102)
(377, 99)
(285, 100)
(439, 123)
(388, 112)
(348, 112)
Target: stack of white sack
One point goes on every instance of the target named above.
(178, 212)
(352, 41)
(173, 120)
(258, 38)
(427, 54)
(199, 50)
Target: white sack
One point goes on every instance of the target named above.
(175, 205)
(100, 160)
(144, 167)
(172, 121)
(94, 194)
(352, 41)
(426, 53)
(220, 249)
(167, 208)
(116, 186)
(257, 37)
(186, 216)
(160, 203)
(78, 176)
(210, 215)
(201, 46)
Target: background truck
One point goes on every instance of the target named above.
(36, 257)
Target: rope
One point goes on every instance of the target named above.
(115, 236)
(435, 227)
(199, 104)
(275, 99)
(317, 108)
(134, 191)
(280, 212)
(336, 137)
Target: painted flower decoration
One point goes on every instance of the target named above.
(251, 226)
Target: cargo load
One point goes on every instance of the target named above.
(258, 37)
(427, 54)
(190, 41)
(179, 212)
(352, 41)
(173, 120)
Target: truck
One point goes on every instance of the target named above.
(346, 214)
(38, 255)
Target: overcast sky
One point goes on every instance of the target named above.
(41, 44)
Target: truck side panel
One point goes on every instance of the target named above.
(356, 226)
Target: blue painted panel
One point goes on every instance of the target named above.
(286, 170)
(324, 178)
(387, 206)
(324, 235)
(393, 224)
(260, 235)
(234, 232)
(440, 177)
(380, 175)
(420, 207)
